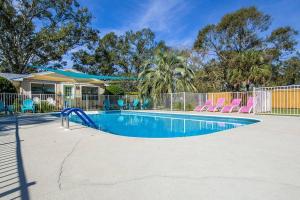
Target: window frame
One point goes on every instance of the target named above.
(42, 83)
(91, 96)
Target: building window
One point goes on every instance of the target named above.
(39, 88)
(89, 93)
(68, 91)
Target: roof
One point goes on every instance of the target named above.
(71, 73)
(79, 75)
(16, 77)
(64, 75)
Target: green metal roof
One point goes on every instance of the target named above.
(79, 75)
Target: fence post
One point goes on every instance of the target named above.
(86, 102)
(183, 101)
(41, 103)
(171, 101)
(254, 101)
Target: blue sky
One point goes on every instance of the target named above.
(178, 21)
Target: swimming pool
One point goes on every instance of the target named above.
(158, 125)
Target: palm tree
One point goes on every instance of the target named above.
(166, 73)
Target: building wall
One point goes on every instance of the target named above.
(25, 87)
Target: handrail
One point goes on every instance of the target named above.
(80, 113)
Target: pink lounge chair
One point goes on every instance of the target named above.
(249, 107)
(203, 107)
(234, 104)
(218, 106)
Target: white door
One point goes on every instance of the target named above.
(68, 96)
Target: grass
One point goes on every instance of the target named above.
(286, 111)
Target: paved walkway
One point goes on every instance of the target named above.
(258, 161)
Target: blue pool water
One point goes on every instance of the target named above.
(156, 125)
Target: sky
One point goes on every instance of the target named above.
(178, 21)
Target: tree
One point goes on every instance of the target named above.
(114, 89)
(291, 70)
(249, 67)
(6, 86)
(165, 73)
(142, 47)
(209, 77)
(38, 31)
(241, 50)
(103, 60)
(124, 54)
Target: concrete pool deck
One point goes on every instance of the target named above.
(257, 161)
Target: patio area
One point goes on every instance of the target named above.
(258, 161)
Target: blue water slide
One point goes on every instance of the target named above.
(80, 113)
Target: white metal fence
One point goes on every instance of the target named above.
(52, 102)
(284, 100)
(186, 101)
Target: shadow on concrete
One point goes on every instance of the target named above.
(25, 119)
(13, 181)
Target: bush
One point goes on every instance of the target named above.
(133, 93)
(177, 106)
(114, 90)
(6, 86)
(17, 105)
(44, 107)
(189, 107)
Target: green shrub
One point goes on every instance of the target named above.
(6, 86)
(132, 93)
(44, 107)
(177, 106)
(189, 107)
(17, 105)
(114, 90)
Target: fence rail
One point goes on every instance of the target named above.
(52, 102)
(283, 100)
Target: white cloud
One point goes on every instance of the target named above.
(105, 31)
(164, 17)
(182, 43)
(160, 15)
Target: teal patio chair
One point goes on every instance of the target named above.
(28, 105)
(135, 104)
(10, 109)
(106, 104)
(145, 104)
(2, 107)
(121, 104)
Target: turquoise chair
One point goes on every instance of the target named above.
(135, 103)
(28, 105)
(121, 103)
(2, 107)
(10, 109)
(145, 104)
(106, 104)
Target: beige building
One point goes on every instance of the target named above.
(51, 83)
(58, 89)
